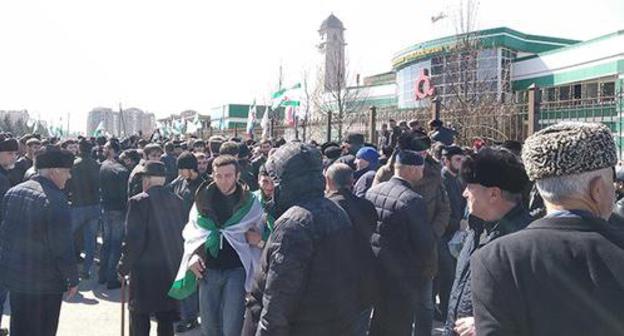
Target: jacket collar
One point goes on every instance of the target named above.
(44, 181)
(207, 191)
(570, 223)
(401, 181)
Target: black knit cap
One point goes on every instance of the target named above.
(8, 143)
(495, 168)
(187, 160)
(52, 156)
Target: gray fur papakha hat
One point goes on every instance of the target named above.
(568, 148)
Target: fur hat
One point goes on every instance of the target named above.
(8, 143)
(493, 167)
(569, 148)
(52, 156)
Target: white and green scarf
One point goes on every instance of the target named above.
(203, 230)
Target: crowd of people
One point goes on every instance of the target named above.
(274, 237)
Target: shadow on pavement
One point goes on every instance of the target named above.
(79, 298)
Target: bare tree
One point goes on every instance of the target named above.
(333, 97)
(473, 83)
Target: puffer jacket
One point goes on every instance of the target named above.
(403, 241)
(305, 285)
(480, 233)
(432, 190)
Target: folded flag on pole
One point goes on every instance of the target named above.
(265, 123)
(251, 119)
(99, 130)
(194, 125)
(286, 97)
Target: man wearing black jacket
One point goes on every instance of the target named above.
(403, 243)
(114, 185)
(563, 274)
(185, 186)
(8, 154)
(495, 181)
(363, 216)
(85, 190)
(37, 262)
(306, 282)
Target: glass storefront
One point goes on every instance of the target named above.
(479, 73)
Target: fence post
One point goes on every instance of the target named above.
(329, 121)
(372, 125)
(534, 101)
(435, 108)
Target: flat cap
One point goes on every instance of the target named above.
(569, 148)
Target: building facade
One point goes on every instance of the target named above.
(125, 123)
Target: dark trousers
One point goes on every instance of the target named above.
(140, 323)
(35, 314)
(394, 312)
(446, 275)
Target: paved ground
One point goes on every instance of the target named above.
(96, 311)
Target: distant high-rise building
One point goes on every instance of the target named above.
(129, 122)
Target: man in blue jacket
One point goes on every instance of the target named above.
(37, 262)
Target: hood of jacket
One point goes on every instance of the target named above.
(297, 172)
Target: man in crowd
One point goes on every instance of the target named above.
(214, 145)
(199, 146)
(114, 186)
(37, 262)
(265, 147)
(265, 195)
(350, 146)
(563, 274)
(383, 136)
(363, 216)
(308, 264)
(169, 159)
(247, 174)
(495, 181)
(24, 163)
(366, 161)
(218, 251)
(438, 212)
(85, 208)
(185, 186)
(203, 166)
(452, 157)
(439, 133)
(404, 244)
(8, 155)
(151, 152)
(152, 251)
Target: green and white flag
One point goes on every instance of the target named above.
(202, 230)
(99, 130)
(193, 126)
(287, 97)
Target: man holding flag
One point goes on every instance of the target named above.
(221, 249)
